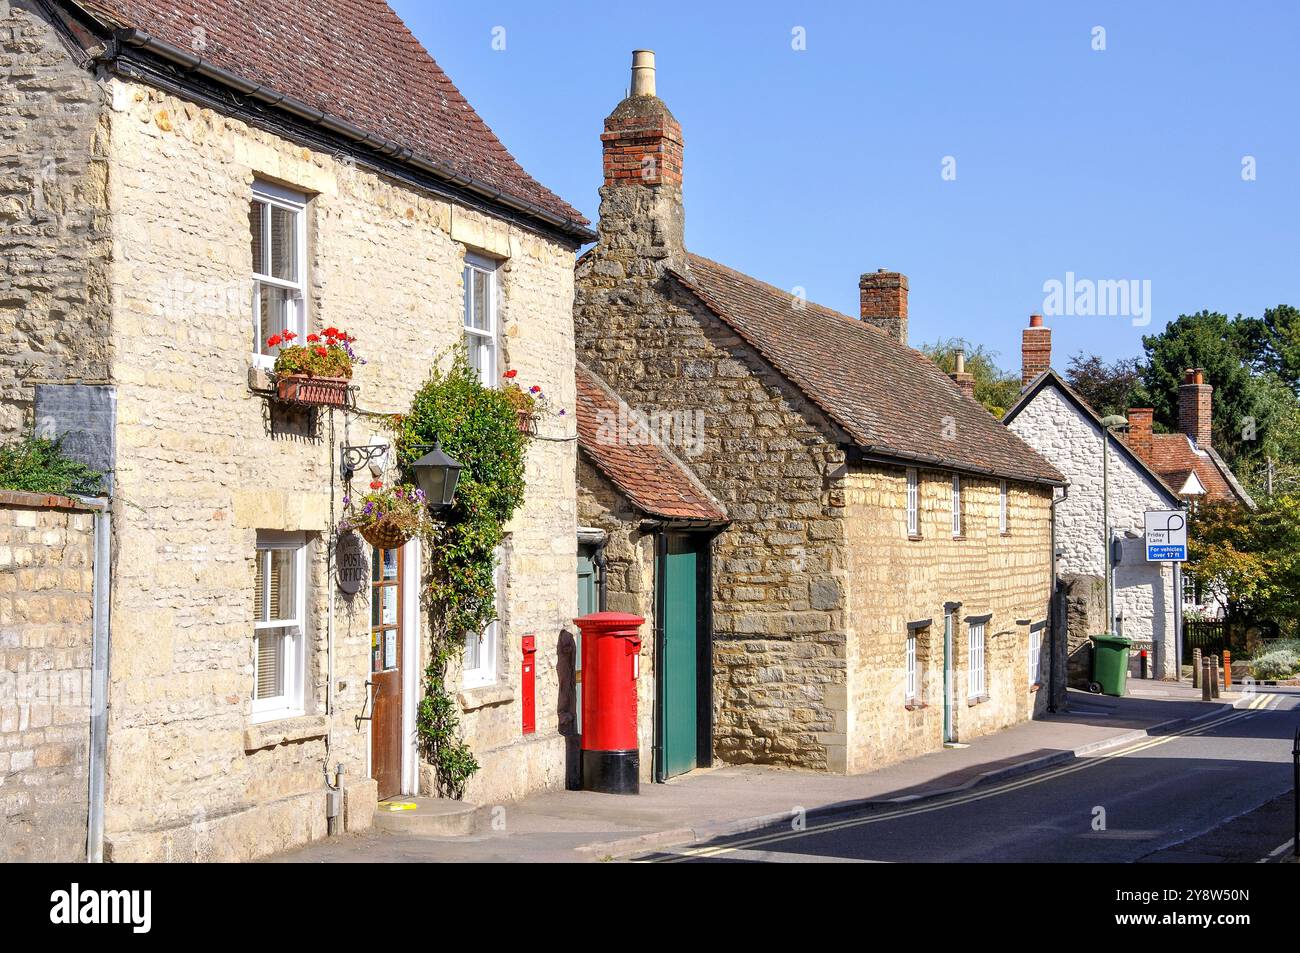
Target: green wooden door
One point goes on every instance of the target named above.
(587, 604)
(680, 657)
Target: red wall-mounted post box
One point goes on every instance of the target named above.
(611, 646)
(528, 683)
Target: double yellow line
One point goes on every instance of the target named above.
(980, 794)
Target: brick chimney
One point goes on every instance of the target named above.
(883, 296)
(1194, 407)
(1140, 439)
(965, 381)
(641, 213)
(1035, 350)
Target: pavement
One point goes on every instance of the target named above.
(727, 801)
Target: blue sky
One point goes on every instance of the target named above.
(807, 168)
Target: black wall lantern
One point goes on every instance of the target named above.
(437, 475)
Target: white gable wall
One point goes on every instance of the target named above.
(1144, 592)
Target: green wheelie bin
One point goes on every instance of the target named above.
(1109, 664)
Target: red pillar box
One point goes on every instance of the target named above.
(611, 646)
(528, 682)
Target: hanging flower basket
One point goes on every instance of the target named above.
(318, 391)
(386, 517)
(527, 421)
(387, 532)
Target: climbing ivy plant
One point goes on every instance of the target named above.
(477, 425)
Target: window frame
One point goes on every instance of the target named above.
(290, 702)
(913, 503)
(976, 685)
(956, 506)
(910, 681)
(1035, 656)
(475, 265)
(275, 196)
(487, 672)
(1003, 494)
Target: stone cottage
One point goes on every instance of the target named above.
(1060, 425)
(881, 582)
(218, 171)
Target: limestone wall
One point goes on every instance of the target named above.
(761, 449)
(46, 588)
(205, 463)
(54, 242)
(895, 580)
(1144, 592)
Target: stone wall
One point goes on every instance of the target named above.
(205, 463)
(778, 652)
(895, 580)
(46, 590)
(1084, 598)
(1144, 592)
(54, 239)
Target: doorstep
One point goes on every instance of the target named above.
(426, 816)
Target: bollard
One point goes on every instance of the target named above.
(1214, 677)
(1205, 680)
(1295, 791)
(1196, 668)
(1227, 669)
(1142, 664)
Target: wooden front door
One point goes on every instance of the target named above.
(386, 670)
(680, 690)
(588, 602)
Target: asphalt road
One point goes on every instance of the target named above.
(1143, 802)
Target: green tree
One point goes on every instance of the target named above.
(1108, 388)
(1222, 346)
(1251, 556)
(995, 388)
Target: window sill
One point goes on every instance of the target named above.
(485, 696)
(959, 539)
(1035, 687)
(916, 706)
(979, 700)
(284, 730)
(1004, 535)
(914, 537)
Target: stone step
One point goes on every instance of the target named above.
(430, 817)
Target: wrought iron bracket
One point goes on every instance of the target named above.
(353, 458)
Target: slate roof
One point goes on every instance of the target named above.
(889, 399)
(354, 60)
(654, 480)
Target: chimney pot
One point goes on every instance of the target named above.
(643, 73)
(1035, 320)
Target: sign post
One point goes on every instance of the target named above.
(1166, 536)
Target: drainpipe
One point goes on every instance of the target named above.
(602, 589)
(99, 644)
(1053, 619)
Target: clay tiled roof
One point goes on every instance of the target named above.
(1174, 457)
(354, 60)
(652, 478)
(891, 400)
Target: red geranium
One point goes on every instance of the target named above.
(273, 341)
(510, 375)
(376, 484)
